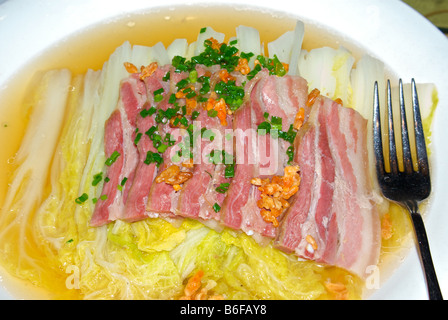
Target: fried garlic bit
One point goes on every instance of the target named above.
(130, 68)
(190, 103)
(243, 66)
(225, 76)
(144, 71)
(147, 71)
(173, 176)
(220, 107)
(300, 116)
(312, 96)
(276, 192)
(339, 101)
(299, 119)
(215, 44)
(311, 241)
(193, 290)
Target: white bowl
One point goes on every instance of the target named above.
(388, 29)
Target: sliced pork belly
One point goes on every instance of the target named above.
(104, 209)
(280, 97)
(332, 218)
(162, 198)
(198, 194)
(135, 208)
(119, 137)
(260, 155)
(239, 191)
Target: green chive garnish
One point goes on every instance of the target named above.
(113, 157)
(223, 187)
(81, 199)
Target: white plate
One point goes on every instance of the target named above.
(390, 30)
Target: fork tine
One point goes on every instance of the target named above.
(392, 146)
(407, 160)
(377, 136)
(422, 158)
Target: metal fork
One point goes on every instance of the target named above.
(407, 187)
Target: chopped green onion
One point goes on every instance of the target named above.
(152, 110)
(290, 154)
(216, 207)
(171, 112)
(182, 84)
(168, 140)
(137, 138)
(229, 171)
(152, 157)
(158, 91)
(264, 128)
(122, 183)
(276, 123)
(246, 56)
(158, 98)
(184, 121)
(151, 131)
(212, 113)
(194, 115)
(223, 187)
(191, 95)
(290, 135)
(232, 94)
(97, 179)
(103, 197)
(172, 98)
(167, 76)
(279, 68)
(254, 72)
(81, 199)
(187, 90)
(162, 148)
(203, 30)
(148, 112)
(193, 76)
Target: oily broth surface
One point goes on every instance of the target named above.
(90, 48)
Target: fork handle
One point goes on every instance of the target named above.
(425, 254)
